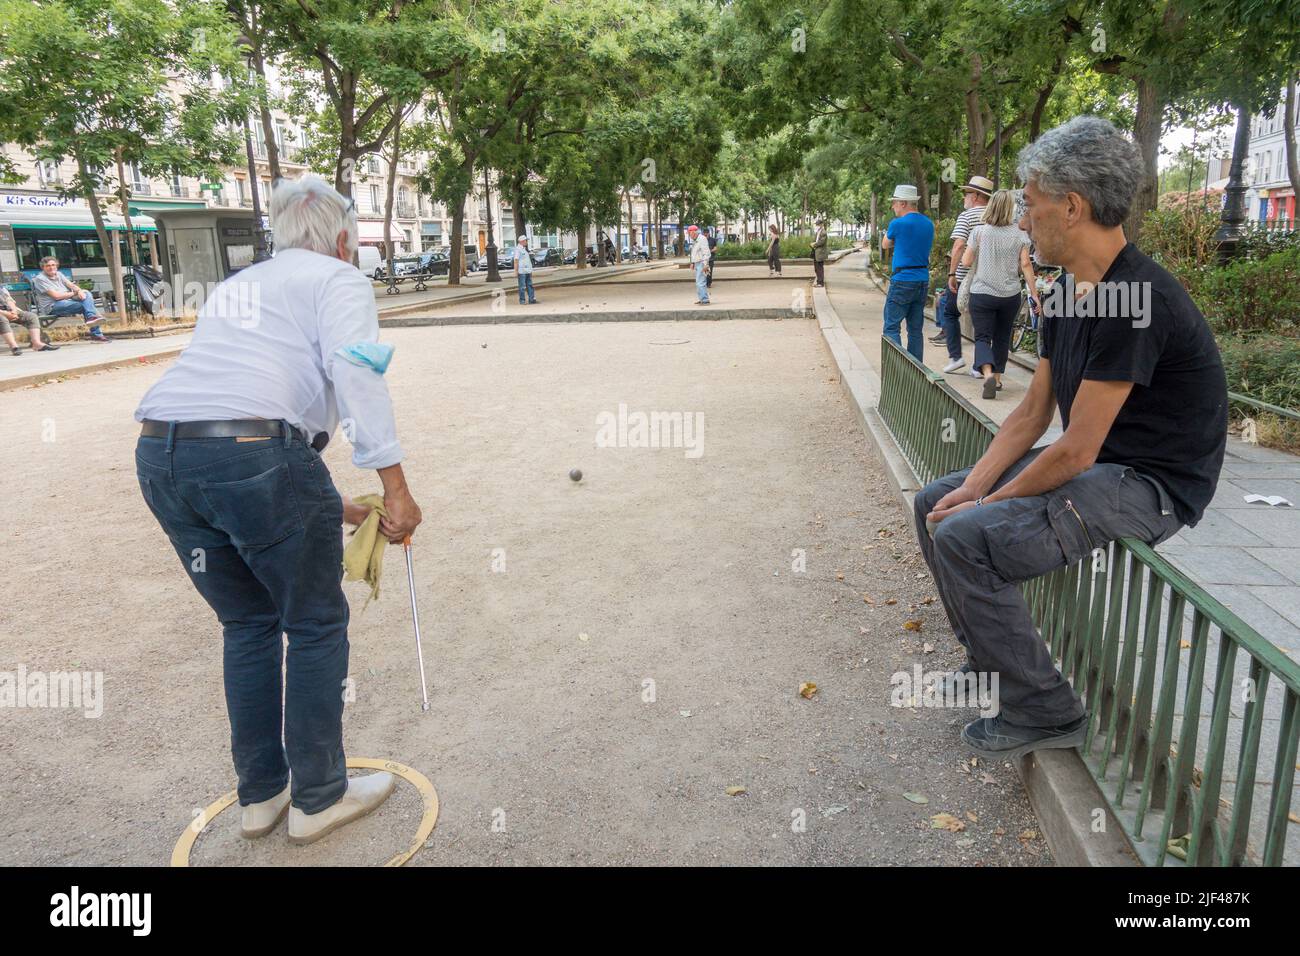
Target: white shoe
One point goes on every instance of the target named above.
(259, 819)
(975, 373)
(363, 795)
(954, 365)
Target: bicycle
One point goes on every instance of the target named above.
(1024, 331)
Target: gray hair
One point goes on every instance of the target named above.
(308, 213)
(1088, 156)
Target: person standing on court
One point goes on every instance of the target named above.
(700, 254)
(999, 254)
(524, 271)
(819, 253)
(910, 235)
(229, 464)
(773, 251)
(975, 197)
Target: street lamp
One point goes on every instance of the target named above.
(260, 254)
(493, 274)
(1233, 220)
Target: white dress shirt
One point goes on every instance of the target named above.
(267, 346)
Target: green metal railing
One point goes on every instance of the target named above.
(1144, 647)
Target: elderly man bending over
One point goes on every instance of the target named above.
(1135, 371)
(228, 461)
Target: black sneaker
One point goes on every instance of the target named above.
(995, 738)
(951, 683)
(16, 350)
(940, 337)
(990, 388)
(48, 347)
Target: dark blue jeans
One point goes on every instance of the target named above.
(906, 303)
(950, 322)
(258, 528)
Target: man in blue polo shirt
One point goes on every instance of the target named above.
(910, 235)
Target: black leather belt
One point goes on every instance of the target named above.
(233, 428)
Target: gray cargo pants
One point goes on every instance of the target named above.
(978, 555)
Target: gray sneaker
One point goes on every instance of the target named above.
(996, 738)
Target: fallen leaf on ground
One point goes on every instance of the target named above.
(916, 797)
(807, 689)
(946, 821)
(735, 791)
(912, 625)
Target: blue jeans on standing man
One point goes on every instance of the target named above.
(257, 525)
(701, 282)
(950, 322)
(526, 283)
(905, 302)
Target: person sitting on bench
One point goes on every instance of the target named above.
(56, 294)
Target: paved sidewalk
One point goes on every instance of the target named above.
(78, 358)
(1246, 555)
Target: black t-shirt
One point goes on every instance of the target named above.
(1143, 328)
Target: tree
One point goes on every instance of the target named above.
(126, 82)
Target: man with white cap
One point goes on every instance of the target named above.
(700, 255)
(910, 235)
(977, 192)
(229, 463)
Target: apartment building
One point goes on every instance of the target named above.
(1270, 197)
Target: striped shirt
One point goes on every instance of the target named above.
(968, 220)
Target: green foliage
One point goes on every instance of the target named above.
(792, 247)
(1180, 238)
(1251, 295)
(1265, 367)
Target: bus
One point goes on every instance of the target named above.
(46, 225)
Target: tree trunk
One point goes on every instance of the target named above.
(631, 220)
(917, 160)
(101, 231)
(1146, 132)
(1292, 161)
(945, 198)
(264, 111)
(977, 157)
(457, 263)
(392, 187)
(125, 200)
(581, 260)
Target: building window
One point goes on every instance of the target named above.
(47, 171)
(375, 204)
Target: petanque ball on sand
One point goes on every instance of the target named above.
(575, 474)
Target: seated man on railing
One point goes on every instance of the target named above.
(1135, 371)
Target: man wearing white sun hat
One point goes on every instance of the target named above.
(910, 235)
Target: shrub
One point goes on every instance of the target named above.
(792, 247)
(1249, 295)
(1265, 367)
(1180, 239)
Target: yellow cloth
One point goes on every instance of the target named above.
(363, 558)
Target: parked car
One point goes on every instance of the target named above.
(371, 262)
(406, 265)
(431, 263)
(546, 257)
(505, 260)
